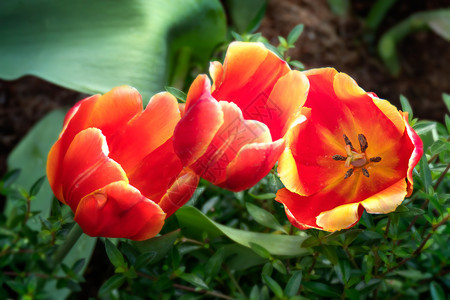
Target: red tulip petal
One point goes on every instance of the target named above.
(196, 129)
(146, 132)
(180, 192)
(53, 170)
(250, 72)
(119, 210)
(156, 172)
(415, 156)
(86, 167)
(285, 100)
(251, 164)
(302, 216)
(200, 89)
(387, 200)
(234, 134)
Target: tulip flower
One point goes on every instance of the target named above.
(114, 164)
(232, 133)
(354, 152)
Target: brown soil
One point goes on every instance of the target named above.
(328, 40)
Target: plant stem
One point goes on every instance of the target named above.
(209, 293)
(65, 248)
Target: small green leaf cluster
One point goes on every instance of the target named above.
(29, 243)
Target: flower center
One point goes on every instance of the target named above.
(356, 159)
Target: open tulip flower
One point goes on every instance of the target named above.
(354, 152)
(114, 164)
(232, 133)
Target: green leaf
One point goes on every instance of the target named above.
(425, 173)
(10, 177)
(321, 289)
(264, 217)
(339, 7)
(436, 291)
(194, 223)
(30, 155)
(144, 259)
(273, 285)
(279, 266)
(246, 15)
(437, 20)
(261, 251)
(114, 254)
(159, 245)
(439, 146)
(194, 280)
(177, 93)
(295, 34)
(297, 64)
(343, 270)
(214, 263)
(406, 107)
(446, 98)
(94, 45)
(111, 284)
(36, 187)
(293, 284)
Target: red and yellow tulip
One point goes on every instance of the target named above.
(232, 133)
(115, 166)
(354, 152)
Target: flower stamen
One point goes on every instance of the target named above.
(355, 159)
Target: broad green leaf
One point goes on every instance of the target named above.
(339, 7)
(437, 292)
(239, 257)
(295, 34)
(321, 289)
(112, 283)
(273, 285)
(160, 245)
(176, 93)
(406, 107)
(425, 173)
(264, 217)
(438, 20)
(261, 251)
(95, 45)
(446, 98)
(194, 223)
(194, 280)
(214, 263)
(30, 155)
(246, 15)
(293, 284)
(114, 254)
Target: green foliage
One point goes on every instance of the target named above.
(437, 20)
(93, 46)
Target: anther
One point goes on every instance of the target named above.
(375, 159)
(362, 142)
(347, 142)
(348, 173)
(365, 172)
(339, 157)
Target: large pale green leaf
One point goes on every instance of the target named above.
(30, 155)
(194, 223)
(94, 45)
